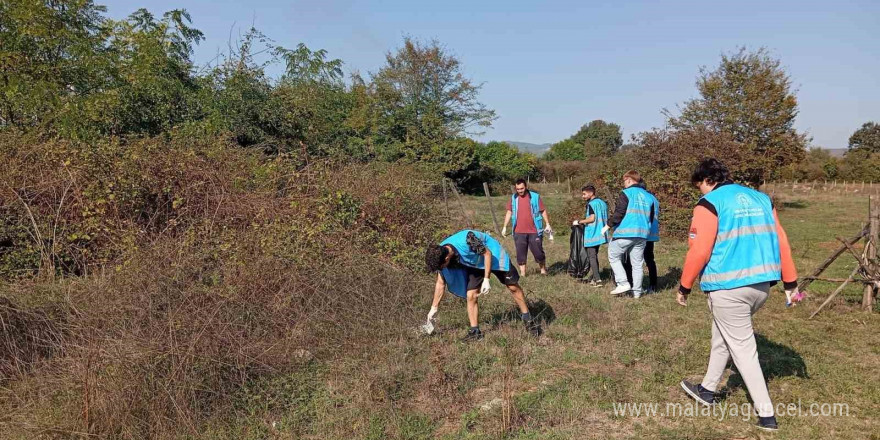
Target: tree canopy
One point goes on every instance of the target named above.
(866, 138)
(748, 96)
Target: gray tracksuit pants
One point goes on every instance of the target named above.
(734, 337)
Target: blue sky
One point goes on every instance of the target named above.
(549, 67)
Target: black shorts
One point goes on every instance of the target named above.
(475, 277)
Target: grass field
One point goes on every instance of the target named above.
(600, 351)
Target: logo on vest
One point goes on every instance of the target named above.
(743, 200)
(746, 208)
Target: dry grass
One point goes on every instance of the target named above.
(277, 328)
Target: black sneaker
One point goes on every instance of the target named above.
(699, 393)
(768, 423)
(534, 329)
(472, 335)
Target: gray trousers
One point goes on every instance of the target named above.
(734, 337)
(635, 247)
(593, 258)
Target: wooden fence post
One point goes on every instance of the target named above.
(873, 238)
(445, 198)
(491, 208)
(470, 224)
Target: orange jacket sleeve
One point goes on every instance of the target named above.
(701, 240)
(789, 272)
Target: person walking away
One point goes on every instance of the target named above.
(464, 261)
(739, 246)
(653, 237)
(595, 218)
(529, 216)
(631, 221)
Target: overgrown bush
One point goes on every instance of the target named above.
(235, 270)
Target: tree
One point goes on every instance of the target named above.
(52, 55)
(748, 96)
(568, 149)
(599, 138)
(421, 99)
(866, 138)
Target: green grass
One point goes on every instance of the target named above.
(600, 350)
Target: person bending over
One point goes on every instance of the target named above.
(464, 262)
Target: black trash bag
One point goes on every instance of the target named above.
(578, 263)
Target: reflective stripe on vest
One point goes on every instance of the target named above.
(746, 247)
(535, 205)
(593, 235)
(637, 221)
(741, 273)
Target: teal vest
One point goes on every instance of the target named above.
(536, 211)
(593, 235)
(637, 221)
(456, 278)
(746, 248)
(654, 233)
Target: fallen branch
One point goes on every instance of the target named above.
(839, 289)
(818, 271)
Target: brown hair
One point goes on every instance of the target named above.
(634, 175)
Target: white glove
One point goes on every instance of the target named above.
(793, 297)
(428, 327)
(504, 231)
(484, 289)
(605, 229)
(575, 223)
(548, 230)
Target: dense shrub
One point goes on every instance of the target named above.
(665, 160)
(214, 270)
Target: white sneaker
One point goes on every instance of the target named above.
(621, 288)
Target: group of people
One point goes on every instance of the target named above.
(737, 247)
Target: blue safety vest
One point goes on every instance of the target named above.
(654, 234)
(534, 201)
(456, 278)
(593, 235)
(746, 248)
(637, 221)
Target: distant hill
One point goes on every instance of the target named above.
(526, 147)
(834, 152)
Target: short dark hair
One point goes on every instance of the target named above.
(435, 256)
(589, 188)
(522, 181)
(710, 169)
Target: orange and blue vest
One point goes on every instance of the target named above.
(746, 248)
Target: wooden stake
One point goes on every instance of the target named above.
(491, 208)
(870, 293)
(467, 218)
(445, 198)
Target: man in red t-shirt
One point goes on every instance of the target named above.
(525, 232)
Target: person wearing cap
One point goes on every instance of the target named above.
(738, 248)
(464, 262)
(632, 218)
